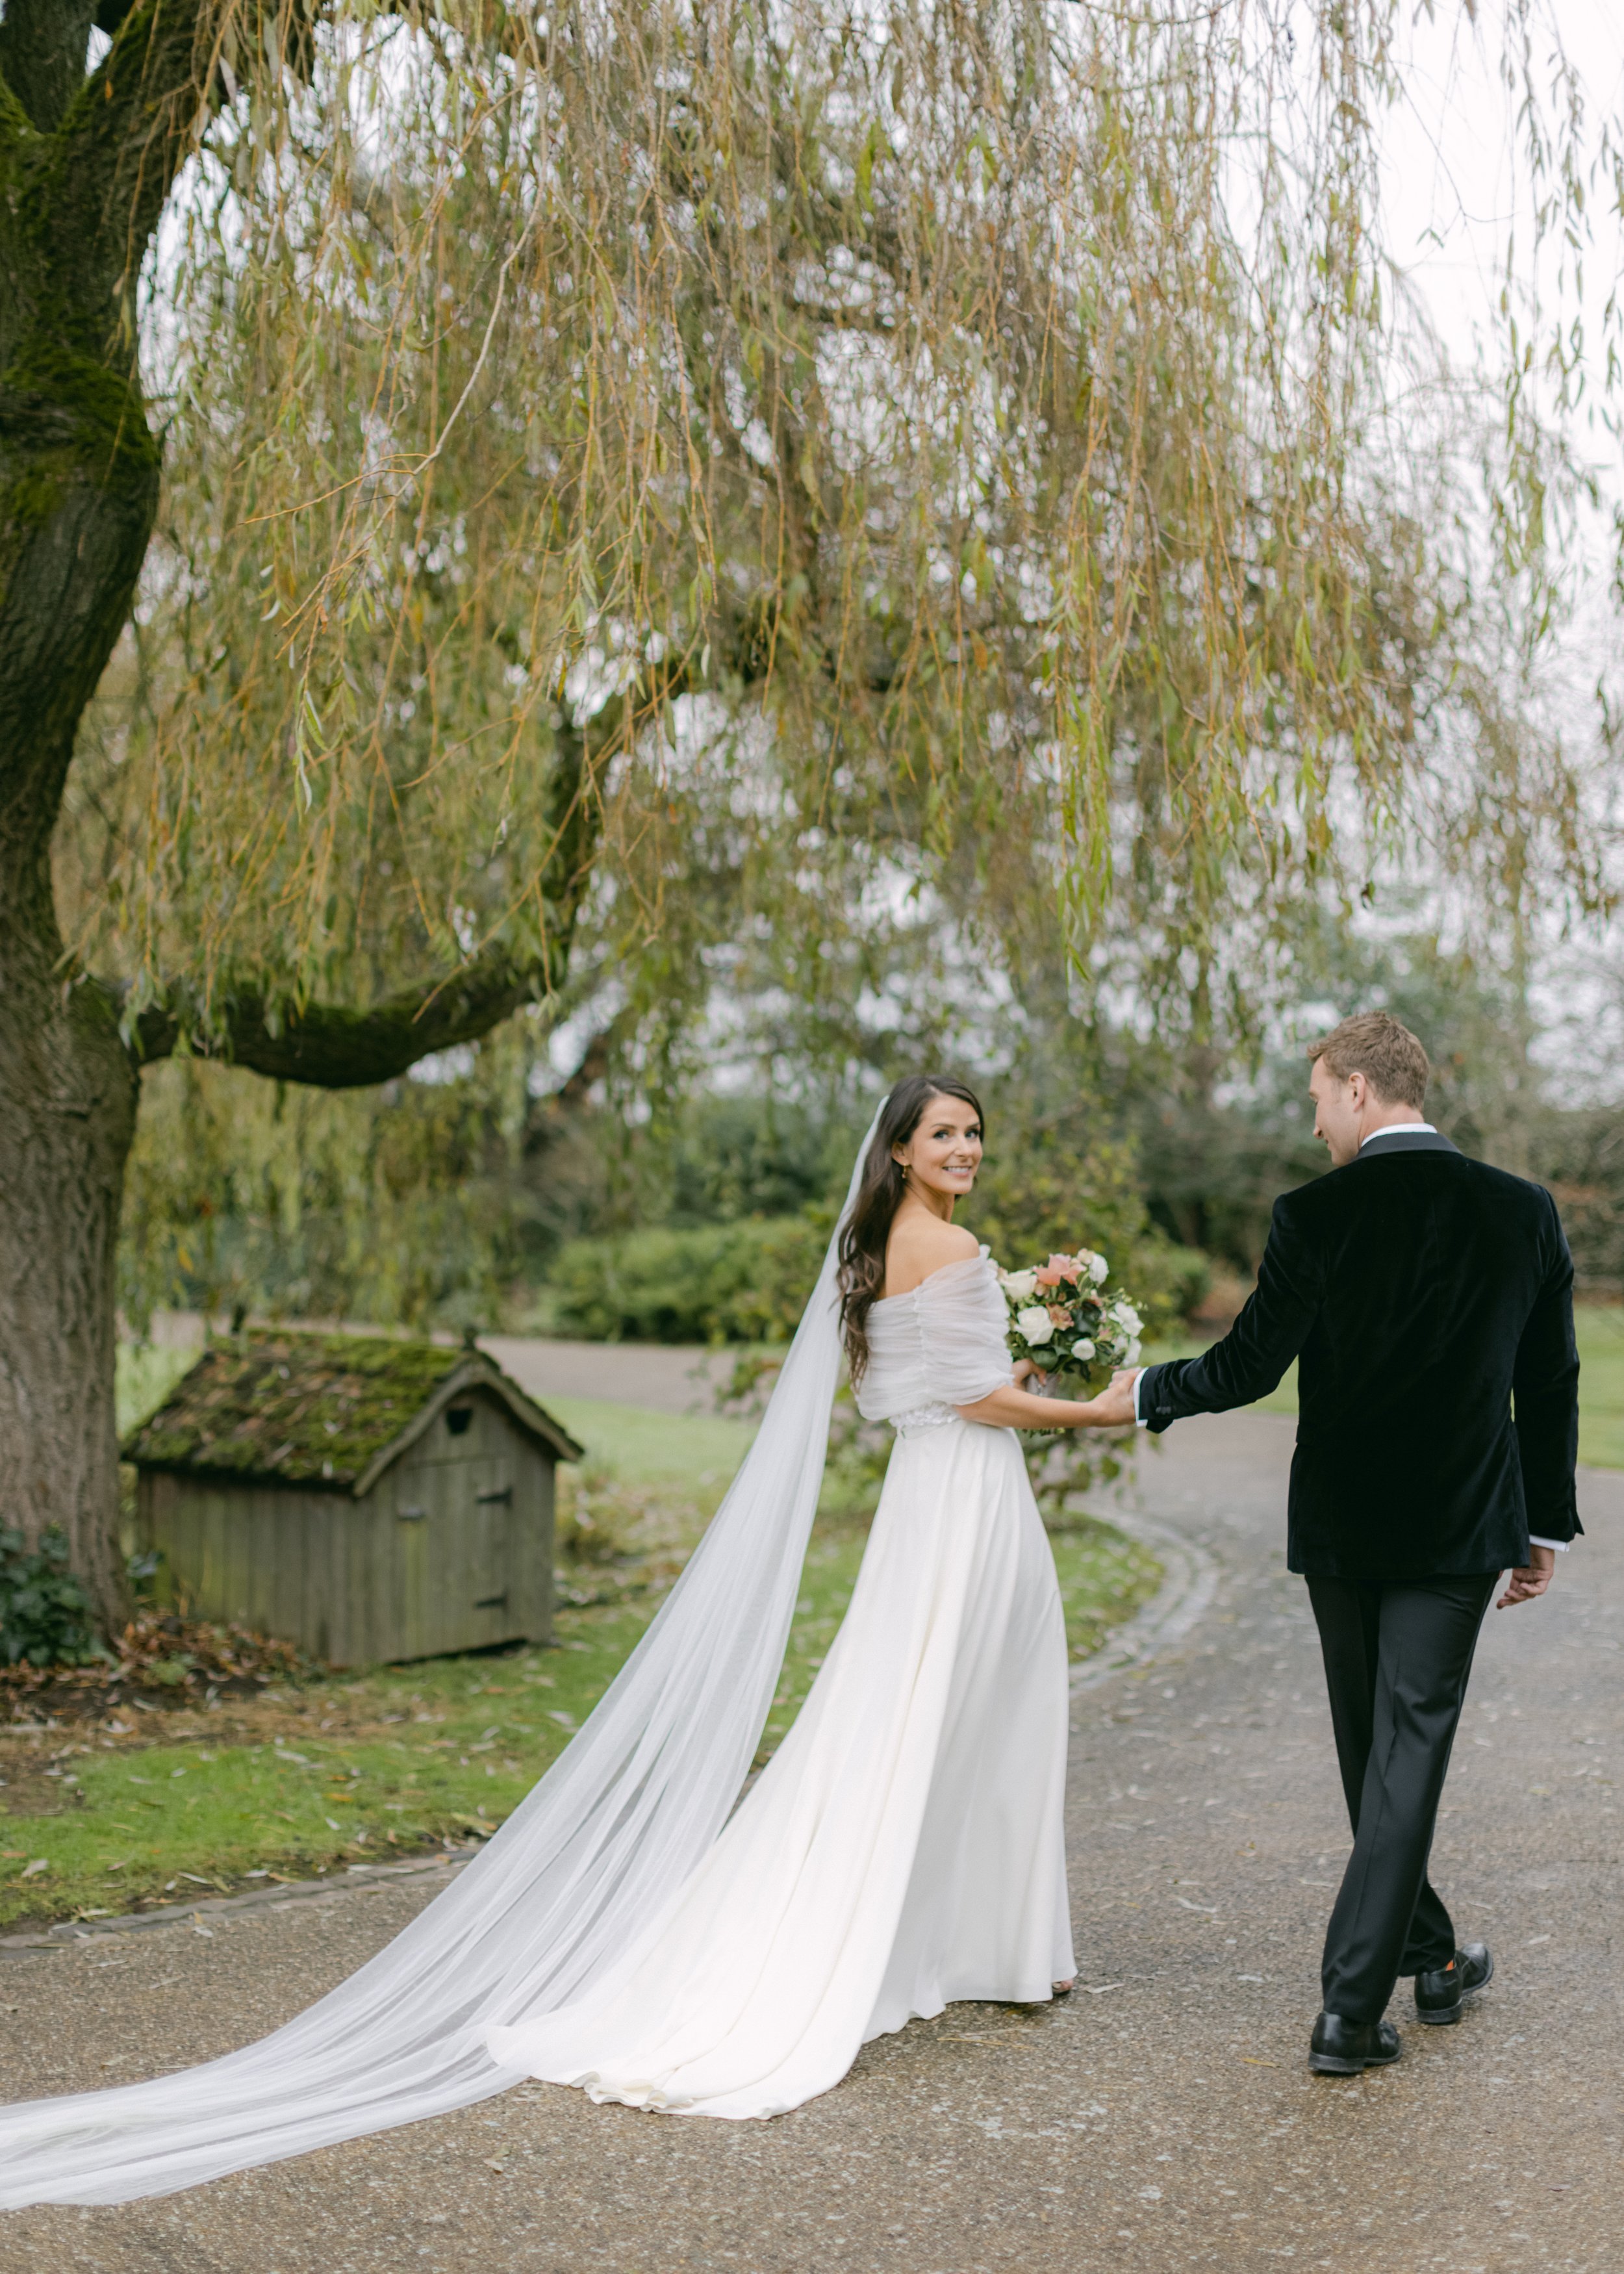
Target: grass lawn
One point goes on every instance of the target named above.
(1599, 1330)
(152, 1802)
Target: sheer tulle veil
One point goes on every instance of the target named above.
(608, 1834)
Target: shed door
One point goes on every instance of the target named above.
(493, 1601)
(457, 1524)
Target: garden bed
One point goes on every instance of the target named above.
(161, 1658)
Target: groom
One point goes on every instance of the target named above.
(1429, 1300)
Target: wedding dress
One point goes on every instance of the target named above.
(902, 1848)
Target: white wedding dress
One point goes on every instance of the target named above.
(633, 1927)
(903, 1847)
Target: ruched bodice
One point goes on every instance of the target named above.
(942, 1345)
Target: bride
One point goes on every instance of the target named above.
(633, 1932)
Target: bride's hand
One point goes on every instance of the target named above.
(1027, 1369)
(1113, 1408)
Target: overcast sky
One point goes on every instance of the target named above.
(1456, 181)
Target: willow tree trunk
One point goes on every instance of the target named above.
(67, 1115)
(87, 161)
(79, 490)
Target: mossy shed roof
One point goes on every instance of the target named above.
(289, 1407)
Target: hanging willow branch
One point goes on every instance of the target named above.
(967, 426)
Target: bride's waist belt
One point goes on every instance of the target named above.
(921, 1418)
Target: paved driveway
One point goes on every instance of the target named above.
(1163, 2120)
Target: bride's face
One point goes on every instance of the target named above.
(944, 1151)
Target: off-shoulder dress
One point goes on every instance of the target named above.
(903, 1847)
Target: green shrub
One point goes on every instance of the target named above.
(1169, 1282)
(45, 1614)
(727, 1283)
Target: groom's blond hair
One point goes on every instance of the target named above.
(1374, 1044)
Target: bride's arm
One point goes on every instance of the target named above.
(1011, 1407)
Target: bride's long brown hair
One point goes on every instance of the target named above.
(868, 1228)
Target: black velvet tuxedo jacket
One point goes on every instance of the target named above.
(1429, 1300)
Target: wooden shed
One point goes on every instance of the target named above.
(365, 1498)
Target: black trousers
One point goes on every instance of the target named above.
(1397, 1655)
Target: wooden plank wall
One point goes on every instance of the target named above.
(357, 1583)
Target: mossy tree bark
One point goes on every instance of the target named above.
(87, 162)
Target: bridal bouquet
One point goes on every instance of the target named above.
(1065, 1318)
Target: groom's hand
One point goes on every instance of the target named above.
(1114, 1406)
(1532, 1579)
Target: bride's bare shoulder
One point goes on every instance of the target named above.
(920, 1244)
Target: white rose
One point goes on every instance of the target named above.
(1020, 1286)
(1130, 1356)
(1082, 1351)
(1098, 1269)
(1125, 1315)
(1035, 1325)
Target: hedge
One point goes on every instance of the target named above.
(746, 1282)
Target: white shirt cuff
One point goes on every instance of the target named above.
(1560, 1546)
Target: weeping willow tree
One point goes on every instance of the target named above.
(491, 494)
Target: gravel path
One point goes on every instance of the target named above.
(1163, 2120)
(669, 1377)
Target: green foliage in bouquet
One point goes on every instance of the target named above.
(727, 1282)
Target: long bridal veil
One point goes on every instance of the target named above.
(612, 1830)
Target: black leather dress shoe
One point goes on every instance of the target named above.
(1439, 1996)
(1342, 2048)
